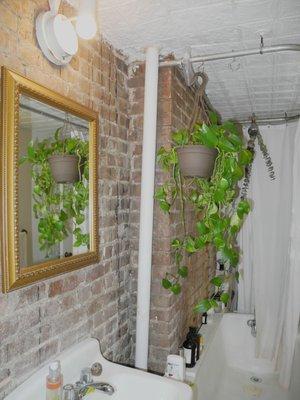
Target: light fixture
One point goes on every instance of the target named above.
(56, 35)
(86, 25)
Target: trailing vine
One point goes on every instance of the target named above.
(219, 216)
(255, 134)
(59, 208)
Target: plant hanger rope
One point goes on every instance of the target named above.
(199, 104)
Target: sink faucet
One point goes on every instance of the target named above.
(81, 388)
(252, 324)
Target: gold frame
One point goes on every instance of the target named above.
(13, 277)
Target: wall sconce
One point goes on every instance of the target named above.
(56, 34)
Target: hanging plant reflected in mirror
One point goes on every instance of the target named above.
(60, 174)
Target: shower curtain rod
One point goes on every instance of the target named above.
(50, 115)
(232, 54)
(271, 121)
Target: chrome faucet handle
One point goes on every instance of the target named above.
(96, 369)
(69, 392)
(86, 376)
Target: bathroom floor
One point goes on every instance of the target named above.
(237, 385)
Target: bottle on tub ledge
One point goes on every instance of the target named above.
(54, 382)
(176, 366)
(190, 346)
(195, 333)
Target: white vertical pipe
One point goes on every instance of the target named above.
(146, 209)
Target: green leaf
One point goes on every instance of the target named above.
(176, 288)
(231, 127)
(160, 193)
(202, 228)
(183, 271)
(164, 205)
(200, 242)
(190, 245)
(236, 140)
(223, 184)
(203, 306)
(246, 157)
(166, 283)
(213, 209)
(230, 255)
(226, 145)
(180, 137)
(213, 117)
(219, 242)
(213, 303)
(235, 220)
(238, 173)
(209, 138)
(219, 195)
(31, 152)
(243, 208)
(224, 298)
(176, 243)
(217, 281)
(178, 257)
(64, 216)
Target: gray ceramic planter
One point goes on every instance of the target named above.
(64, 168)
(196, 160)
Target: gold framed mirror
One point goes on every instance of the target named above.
(49, 194)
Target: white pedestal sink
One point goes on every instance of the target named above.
(129, 383)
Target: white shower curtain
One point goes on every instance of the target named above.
(270, 242)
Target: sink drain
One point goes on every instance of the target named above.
(255, 379)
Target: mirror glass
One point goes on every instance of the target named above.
(53, 183)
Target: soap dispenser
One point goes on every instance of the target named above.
(54, 382)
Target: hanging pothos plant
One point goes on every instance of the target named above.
(219, 213)
(60, 209)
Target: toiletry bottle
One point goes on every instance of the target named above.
(201, 343)
(190, 349)
(54, 382)
(194, 333)
(175, 367)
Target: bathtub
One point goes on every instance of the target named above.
(228, 369)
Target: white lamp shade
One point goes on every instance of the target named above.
(86, 25)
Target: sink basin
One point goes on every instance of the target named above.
(129, 383)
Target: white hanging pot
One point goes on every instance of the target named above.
(64, 168)
(196, 160)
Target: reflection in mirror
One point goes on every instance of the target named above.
(53, 183)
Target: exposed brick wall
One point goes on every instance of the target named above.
(170, 315)
(39, 321)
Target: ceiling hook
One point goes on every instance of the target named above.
(261, 46)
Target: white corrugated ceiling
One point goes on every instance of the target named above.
(268, 85)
